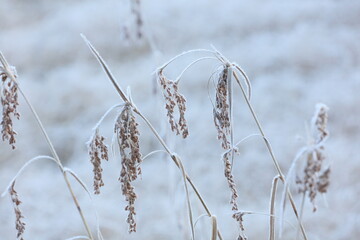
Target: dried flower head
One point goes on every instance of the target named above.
(230, 180)
(239, 218)
(20, 225)
(323, 181)
(319, 123)
(136, 11)
(221, 110)
(174, 98)
(9, 102)
(98, 151)
(315, 179)
(128, 140)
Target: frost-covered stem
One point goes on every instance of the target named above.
(187, 199)
(148, 123)
(28, 163)
(268, 146)
(184, 53)
(272, 208)
(213, 228)
(51, 146)
(191, 64)
(301, 213)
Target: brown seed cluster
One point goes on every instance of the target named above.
(20, 225)
(9, 102)
(222, 110)
(315, 179)
(128, 140)
(239, 218)
(174, 98)
(136, 11)
(230, 180)
(98, 151)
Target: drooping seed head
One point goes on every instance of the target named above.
(9, 102)
(98, 151)
(19, 223)
(314, 179)
(174, 99)
(128, 140)
(221, 110)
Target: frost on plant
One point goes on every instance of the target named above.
(20, 225)
(174, 99)
(230, 180)
(9, 102)
(98, 151)
(128, 140)
(222, 110)
(315, 179)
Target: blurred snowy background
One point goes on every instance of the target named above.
(296, 53)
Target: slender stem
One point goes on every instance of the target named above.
(268, 146)
(301, 212)
(272, 208)
(187, 199)
(51, 146)
(213, 227)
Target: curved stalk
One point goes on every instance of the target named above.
(50, 145)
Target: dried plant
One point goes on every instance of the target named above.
(20, 225)
(136, 11)
(98, 151)
(239, 218)
(230, 180)
(9, 91)
(174, 98)
(135, 26)
(9, 102)
(315, 179)
(222, 110)
(128, 140)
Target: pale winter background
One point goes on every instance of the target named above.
(296, 53)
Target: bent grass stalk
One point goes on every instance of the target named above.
(272, 207)
(50, 145)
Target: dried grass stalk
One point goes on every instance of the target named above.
(9, 102)
(174, 98)
(20, 225)
(128, 140)
(98, 151)
(222, 109)
(315, 179)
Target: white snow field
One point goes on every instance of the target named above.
(296, 54)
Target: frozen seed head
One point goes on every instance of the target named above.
(20, 225)
(239, 218)
(9, 102)
(136, 11)
(98, 151)
(230, 180)
(314, 179)
(324, 181)
(222, 111)
(319, 123)
(128, 140)
(174, 99)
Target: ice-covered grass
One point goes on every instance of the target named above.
(296, 54)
